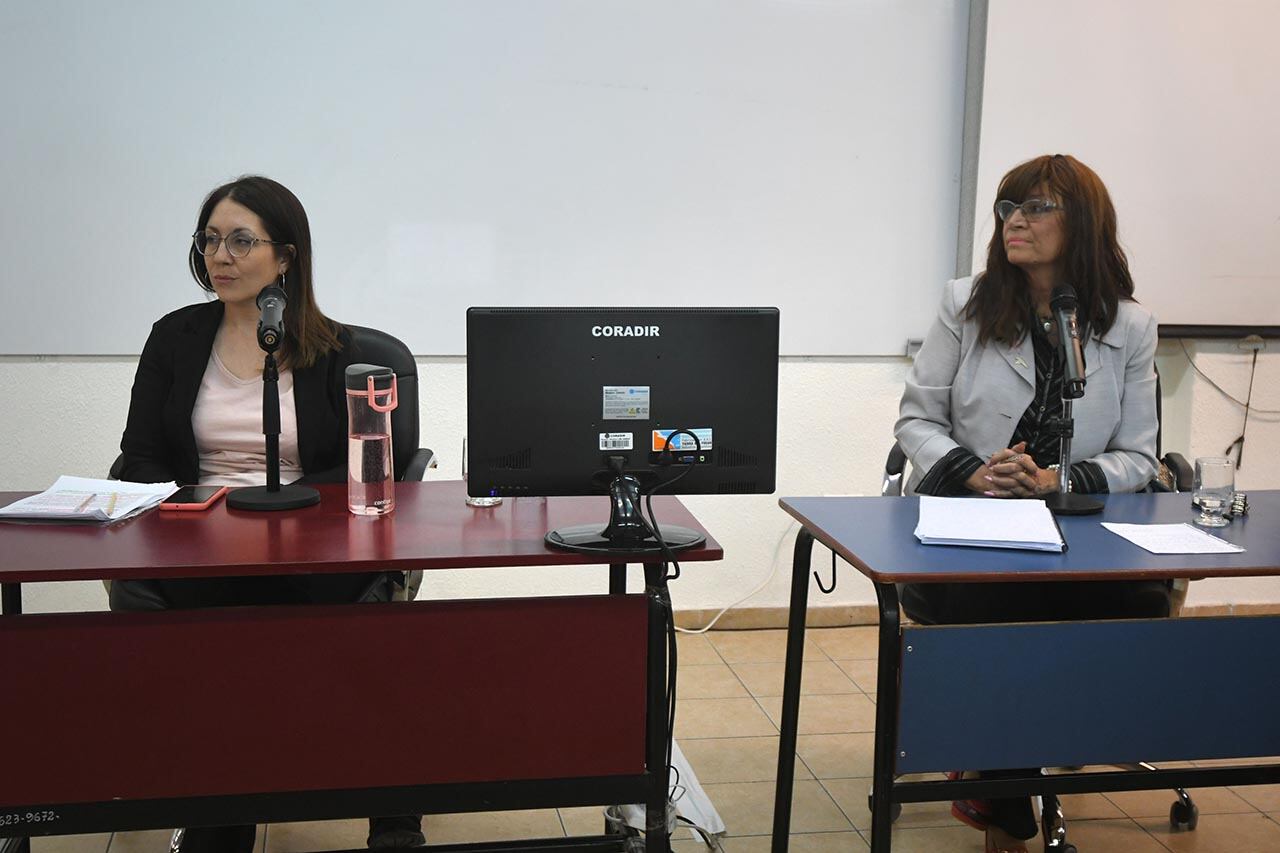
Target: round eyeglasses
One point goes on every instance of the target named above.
(1033, 209)
(239, 243)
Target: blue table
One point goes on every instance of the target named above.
(1134, 683)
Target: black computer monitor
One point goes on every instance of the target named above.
(585, 401)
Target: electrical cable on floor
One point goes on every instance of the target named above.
(669, 610)
(773, 568)
(773, 571)
(675, 789)
(707, 837)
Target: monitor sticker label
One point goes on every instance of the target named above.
(617, 441)
(626, 402)
(682, 441)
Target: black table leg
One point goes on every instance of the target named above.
(655, 751)
(10, 599)
(886, 740)
(791, 689)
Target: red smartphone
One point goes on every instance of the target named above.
(193, 498)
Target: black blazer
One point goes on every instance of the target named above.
(159, 443)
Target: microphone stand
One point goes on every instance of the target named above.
(1063, 501)
(272, 496)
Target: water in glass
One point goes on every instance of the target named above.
(1214, 483)
(370, 488)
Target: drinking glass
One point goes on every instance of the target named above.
(488, 500)
(1214, 483)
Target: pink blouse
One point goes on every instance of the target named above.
(227, 420)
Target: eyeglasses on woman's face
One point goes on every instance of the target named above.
(239, 243)
(1033, 209)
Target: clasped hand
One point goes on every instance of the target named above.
(1012, 473)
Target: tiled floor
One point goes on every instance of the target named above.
(729, 699)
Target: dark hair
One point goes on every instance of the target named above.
(308, 333)
(1092, 262)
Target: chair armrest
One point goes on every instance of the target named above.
(894, 465)
(423, 458)
(1183, 473)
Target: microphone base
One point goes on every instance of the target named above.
(1070, 503)
(260, 499)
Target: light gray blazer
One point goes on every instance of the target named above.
(966, 394)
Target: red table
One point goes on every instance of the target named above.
(268, 714)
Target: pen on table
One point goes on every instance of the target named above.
(111, 502)
(84, 503)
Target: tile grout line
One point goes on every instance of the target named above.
(778, 730)
(847, 816)
(1152, 837)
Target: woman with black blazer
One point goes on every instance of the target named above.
(159, 442)
(195, 415)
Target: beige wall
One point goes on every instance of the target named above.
(64, 415)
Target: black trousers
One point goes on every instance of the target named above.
(195, 593)
(986, 603)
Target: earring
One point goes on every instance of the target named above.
(282, 281)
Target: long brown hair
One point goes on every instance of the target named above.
(309, 334)
(1092, 260)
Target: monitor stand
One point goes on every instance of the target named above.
(626, 533)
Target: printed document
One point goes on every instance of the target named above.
(988, 523)
(1173, 538)
(73, 499)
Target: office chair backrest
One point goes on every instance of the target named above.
(371, 346)
(1159, 416)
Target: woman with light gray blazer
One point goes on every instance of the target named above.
(966, 393)
(976, 416)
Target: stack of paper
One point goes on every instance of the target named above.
(87, 500)
(988, 523)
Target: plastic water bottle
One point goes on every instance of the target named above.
(371, 397)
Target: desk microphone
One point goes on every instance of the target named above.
(271, 302)
(272, 496)
(1063, 305)
(1064, 501)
